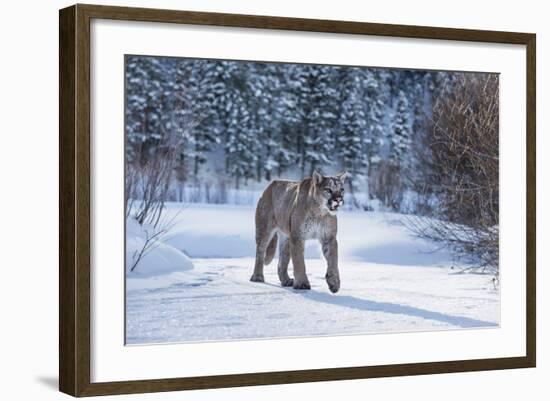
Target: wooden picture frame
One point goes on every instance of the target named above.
(74, 200)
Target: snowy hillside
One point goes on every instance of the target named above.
(391, 282)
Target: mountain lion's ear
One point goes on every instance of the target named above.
(343, 176)
(317, 177)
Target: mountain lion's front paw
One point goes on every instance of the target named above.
(257, 278)
(333, 281)
(287, 282)
(301, 285)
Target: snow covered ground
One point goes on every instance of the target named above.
(391, 282)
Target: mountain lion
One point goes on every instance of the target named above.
(293, 212)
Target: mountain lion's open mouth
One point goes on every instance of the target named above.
(333, 205)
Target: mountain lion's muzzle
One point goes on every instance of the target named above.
(335, 202)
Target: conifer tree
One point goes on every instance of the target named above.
(400, 139)
(322, 119)
(352, 127)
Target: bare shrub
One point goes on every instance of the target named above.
(130, 184)
(151, 168)
(386, 184)
(154, 235)
(222, 191)
(207, 192)
(465, 177)
(153, 185)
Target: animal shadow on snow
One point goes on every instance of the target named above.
(352, 302)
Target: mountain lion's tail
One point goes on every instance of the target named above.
(270, 251)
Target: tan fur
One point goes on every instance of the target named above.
(294, 212)
(270, 252)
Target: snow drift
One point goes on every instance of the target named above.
(159, 258)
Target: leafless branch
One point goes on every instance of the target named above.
(464, 147)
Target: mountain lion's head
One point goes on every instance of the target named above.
(330, 190)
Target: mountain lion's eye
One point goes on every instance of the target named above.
(328, 190)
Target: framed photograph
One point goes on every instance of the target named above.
(250, 200)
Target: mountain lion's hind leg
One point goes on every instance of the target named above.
(261, 246)
(264, 233)
(284, 259)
